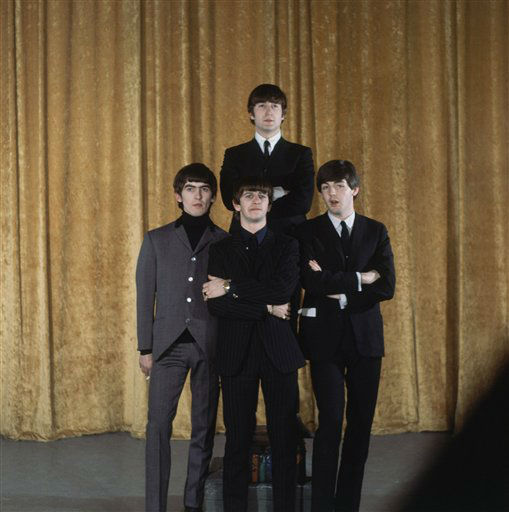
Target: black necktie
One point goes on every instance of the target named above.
(266, 153)
(345, 239)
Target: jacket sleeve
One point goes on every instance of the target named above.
(324, 282)
(145, 293)
(383, 288)
(300, 186)
(227, 306)
(227, 178)
(281, 285)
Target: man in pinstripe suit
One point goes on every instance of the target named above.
(252, 276)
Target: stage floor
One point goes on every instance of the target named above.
(106, 473)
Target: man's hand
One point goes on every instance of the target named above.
(314, 266)
(281, 311)
(369, 277)
(213, 288)
(146, 364)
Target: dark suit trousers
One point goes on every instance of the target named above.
(361, 375)
(167, 379)
(240, 398)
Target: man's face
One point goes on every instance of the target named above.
(196, 198)
(267, 117)
(338, 197)
(253, 207)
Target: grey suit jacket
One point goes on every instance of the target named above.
(169, 278)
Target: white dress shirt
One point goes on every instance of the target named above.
(343, 301)
(272, 141)
(277, 191)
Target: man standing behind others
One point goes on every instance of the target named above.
(287, 166)
(347, 269)
(179, 336)
(252, 276)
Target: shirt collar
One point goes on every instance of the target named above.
(273, 141)
(337, 222)
(260, 234)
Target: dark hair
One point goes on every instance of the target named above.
(337, 170)
(266, 92)
(251, 184)
(194, 172)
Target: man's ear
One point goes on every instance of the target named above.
(236, 206)
(355, 191)
(178, 197)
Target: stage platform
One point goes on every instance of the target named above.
(106, 473)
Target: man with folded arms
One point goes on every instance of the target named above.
(347, 269)
(252, 276)
(286, 165)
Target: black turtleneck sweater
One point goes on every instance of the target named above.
(194, 226)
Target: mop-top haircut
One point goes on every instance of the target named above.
(266, 92)
(251, 184)
(337, 170)
(194, 172)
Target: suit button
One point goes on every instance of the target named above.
(190, 278)
(193, 258)
(189, 299)
(188, 320)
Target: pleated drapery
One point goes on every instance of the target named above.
(103, 101)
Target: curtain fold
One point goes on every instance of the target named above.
(103, 102)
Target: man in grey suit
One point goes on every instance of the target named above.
(176, 334)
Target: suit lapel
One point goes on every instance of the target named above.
(278, 149)
(239, 251)
(328, 233)
(265, 250)
(276, 160)
(254, 150)
(205, 239)
(356, 237)
(181, 234)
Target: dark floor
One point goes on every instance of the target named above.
(105, 473)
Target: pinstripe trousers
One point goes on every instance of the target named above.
(240, 398)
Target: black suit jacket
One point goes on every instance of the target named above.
(290, 166)
(243, 312)
(370, 250)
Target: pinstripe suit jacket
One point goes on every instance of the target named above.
(243, 314)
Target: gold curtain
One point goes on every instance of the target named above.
(103, 101)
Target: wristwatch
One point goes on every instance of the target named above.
(226, 285)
